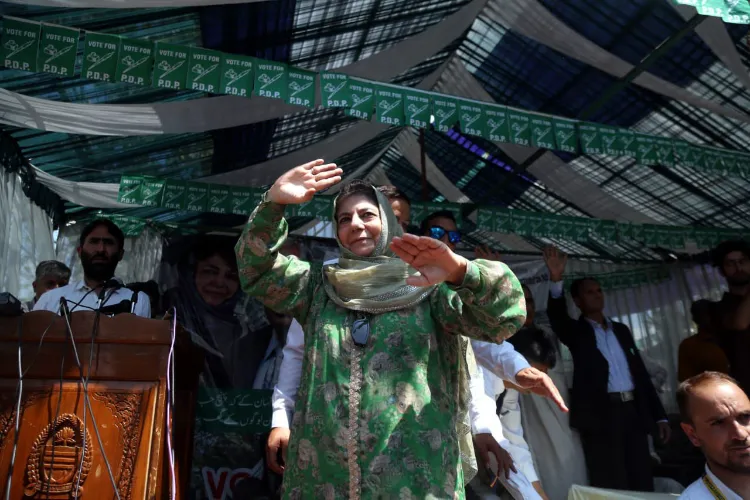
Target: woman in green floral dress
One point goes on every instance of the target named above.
(378, 405)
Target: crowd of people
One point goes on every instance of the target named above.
(402, 369)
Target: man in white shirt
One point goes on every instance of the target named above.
(100, 249)
(716, 418)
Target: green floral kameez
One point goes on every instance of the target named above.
(376, 421)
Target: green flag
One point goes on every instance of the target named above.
(301, 85)
(100, 56)
(604, 230)
(58, 49)
(566, 138)
(520, 127)
(470, 117)
(170, 66)
(219, 199)
(389, 105)
(694, 157)
(237, 75)
(445, 110)
(729, 163)
(417, 109)
(646, 145)
(581, 229)
(130, 190)
(320, 207)
(135, 61)
(626, 142)
(152, 191)
(610, 144)
(665, 151)
(485, 219)
(542, 135)
(504, 220)
(591, 140)
(731, 11)
(496, 122)
(333, 90)
(20, 44)
(270, 79)
(712, 160)
(361, 95)
(204, 70)
(175, 195)
(242, 200)
(681, 152)
(197, 196)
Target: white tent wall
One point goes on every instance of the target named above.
(25, 237)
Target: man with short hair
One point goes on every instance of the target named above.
(100, 248)
(732, 259)
(614, 405)
(50, 274)
(715, 415)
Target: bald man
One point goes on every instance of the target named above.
(716, 419)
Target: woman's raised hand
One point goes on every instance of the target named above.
(298, 185)
(435, 262)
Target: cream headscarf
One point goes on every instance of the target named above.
(377, 284)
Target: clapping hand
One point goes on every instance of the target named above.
(435, 262)
(300, 184)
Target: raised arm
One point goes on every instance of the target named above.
(557, 309)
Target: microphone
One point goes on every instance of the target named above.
(133, 301)
(111, 284)
(64, 306)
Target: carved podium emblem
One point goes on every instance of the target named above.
(57, 459)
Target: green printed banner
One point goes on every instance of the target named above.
(243, 200)
(361, 95)
(665, 151)
(445, 110)
(58, 49)
(130, 190)
(646, 152)
(152, 191)
(730, 11)
(486, 219)
(630, 232)
(320, 207)
(131, 227)
(237, 75)
(681, 151)
(135, 62)
(730, 163)
(389, 105)
(417, 108)
(610, 144)
(496, 122)
(197, 197)
(694, 157)
(566, 138)
(204, 70)
(626, 142)
(712, 161)
(591, 139)
(542, 133)
(175, 195)
(301, 86)
(170, 66)
(270, 79)
(219, 199)
(238, 411)
(420, 210)
(520, 127)
(100, 57)
(604, 230)
(333, 90)
(470, 118)
(20, 44)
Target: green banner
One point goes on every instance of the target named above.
(694, 157)
(320, 207)
(610, 143)
(681, 151)
(520, 127)
(626, 142)
(175, 195)
(591, 139)
(237, 75)
(420, 210)
(333, 90)
(130, 190)
(135, 62)
(712, 161)
(301, 85)
(170, 66)
(542, 133)
(646, 150)
(604, 230)
(445, 110)
(566, 138)
(486, 219)
(389, 105)
(496, 122)
(731, 11)
(470, 118)
(152, 191)
(361, 94)
(234, 410)
(270, 79)
(100, 57)
(20, 44)
(665, 151)
(219, 199)
(417, 109)
(58, 49)
(197, 197)
(204, 70)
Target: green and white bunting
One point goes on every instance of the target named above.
(219, 199)
(566, 137)
(542, 131)
(520, 127)
(243, 200)
(591, 139)
(389, 105)
(420, 210)
(320, 207)
(175, 195)
(135, 62)
(610, 144)
(333, 90)
(417, 108)
(130, 190)
(20, 44)
(58, 49)
(626, 142)
(361, 93)
(170, 66)
(237, 75)
(646, 152)
(197, 197)
(496, 122)
(270, 79)
(731, 11)
(470, 118)
(204, 70)
(664, 151)
(445, 110)
(152, 191)
(301, 86)
(100, 57)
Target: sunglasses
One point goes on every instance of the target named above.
(438, 232)
(361, 332)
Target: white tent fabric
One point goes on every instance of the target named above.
(531, 19)
(85, 194)
(127, 4)
(213, 113)
(26, 236)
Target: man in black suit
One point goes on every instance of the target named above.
(614, 405)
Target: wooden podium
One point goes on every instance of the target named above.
(127, 392)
